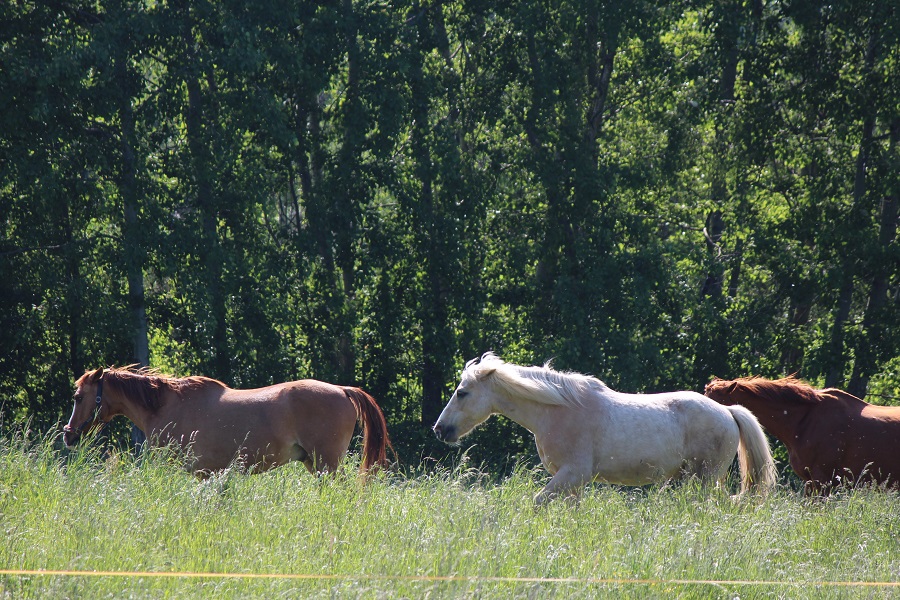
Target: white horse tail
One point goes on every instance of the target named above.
(754, 455)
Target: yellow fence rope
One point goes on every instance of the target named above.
(442, 578)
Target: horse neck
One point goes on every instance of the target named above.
(780, 418)
(120, 404)
(529, 414)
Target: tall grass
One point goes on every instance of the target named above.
(86, 512)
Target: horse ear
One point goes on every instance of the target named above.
(485, 372)
(489, 355)
(488, 364)
(93, 376)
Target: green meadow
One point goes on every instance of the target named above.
(454, 532)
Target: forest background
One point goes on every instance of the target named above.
(372, 192)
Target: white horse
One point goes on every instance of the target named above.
(584, 431)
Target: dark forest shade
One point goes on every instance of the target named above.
(367, 193)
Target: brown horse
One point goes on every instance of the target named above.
(831, 436)
(310, 421)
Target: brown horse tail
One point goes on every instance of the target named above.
(375, 435)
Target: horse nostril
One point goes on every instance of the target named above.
(438, 431)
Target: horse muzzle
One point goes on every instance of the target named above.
(445, 433)
(70, 436)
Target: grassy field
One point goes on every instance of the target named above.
(82, 512)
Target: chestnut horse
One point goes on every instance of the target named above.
(831, 436)
(310, 421)
(584, 431)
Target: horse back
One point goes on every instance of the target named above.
(687, 407)
(877, 429)
(857, 419)
(310, 400)
(686, 422)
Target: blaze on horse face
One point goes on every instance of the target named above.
(88, 405)
(470, 405)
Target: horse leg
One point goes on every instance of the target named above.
(315, 464)
(319, 461)
(310, 465)
(566, 479)
(311, 460)
(712, 473)
(817, 483)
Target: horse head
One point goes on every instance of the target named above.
(88, 406)
(721, 391)
(472, 401)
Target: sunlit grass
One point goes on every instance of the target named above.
(87, 512)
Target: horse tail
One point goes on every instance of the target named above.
(375, 435)
(754, 455)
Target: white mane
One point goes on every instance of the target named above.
(539, 384)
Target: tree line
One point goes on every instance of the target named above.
(371, 193)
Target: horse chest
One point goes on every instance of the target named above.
(548, 463)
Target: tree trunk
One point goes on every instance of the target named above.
(836, 355)
(835, 373)
(350, 197)
(737, 262)
(793, 352)
(558, 235)
(715, 225)
(433, 310)
(131, 232)
(75, 299)
(874, 332)
(712, 233)
(711, 354)
(211, 251)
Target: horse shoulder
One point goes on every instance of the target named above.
(821, 435)
(182, 403)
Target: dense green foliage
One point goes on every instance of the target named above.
(372, 193)
(85, 514)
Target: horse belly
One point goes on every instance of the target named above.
(666, 443)
(636, 472)
(869, 461)
(235, 448)
(638, 456)
(232, 435)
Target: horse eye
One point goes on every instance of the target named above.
(461, 394)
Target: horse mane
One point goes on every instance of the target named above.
(779, 390)
(146, 386)
(539, 384)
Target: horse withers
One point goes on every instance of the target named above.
(832, 437)
(310, 421)
(584, 431)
